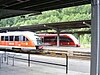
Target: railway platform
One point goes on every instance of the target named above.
(21, 68)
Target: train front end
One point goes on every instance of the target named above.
(38, 43)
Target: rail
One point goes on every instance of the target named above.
(70, 53)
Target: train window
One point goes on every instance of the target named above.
(39, 41)
(49, 39)
(25, 39)
(16, 38)
(2, 38)
(46, 39)
(42, 39)
(65, 39)
(69, 40)
(11, 38)
(6, 38)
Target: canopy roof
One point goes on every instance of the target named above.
(55, 26)
(10, 8)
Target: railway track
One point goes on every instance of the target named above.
(57, 53)
(70, 54)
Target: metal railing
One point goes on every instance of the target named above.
(6, 57)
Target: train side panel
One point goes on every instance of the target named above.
(65, 40)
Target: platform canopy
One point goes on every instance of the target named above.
(10, 8)
(55, 26)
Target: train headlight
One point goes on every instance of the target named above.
(26, 43)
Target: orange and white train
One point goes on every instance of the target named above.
(23, 40)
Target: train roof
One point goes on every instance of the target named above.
(54, 34)
(50, 35)
(29, 34)
(18, 33)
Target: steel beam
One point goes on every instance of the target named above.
(95, 30)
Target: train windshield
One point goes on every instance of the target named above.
(39, 41)
(36, 39)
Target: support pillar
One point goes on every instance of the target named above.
(95, 46)
(79, 37)
(29, 59)
(58, 35)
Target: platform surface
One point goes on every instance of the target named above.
(21, 68)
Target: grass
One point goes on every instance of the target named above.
(85, 45)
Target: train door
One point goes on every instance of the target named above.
(5, 41)
(1, 40)
(11, 41)
(24, 41)
(17, 42)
